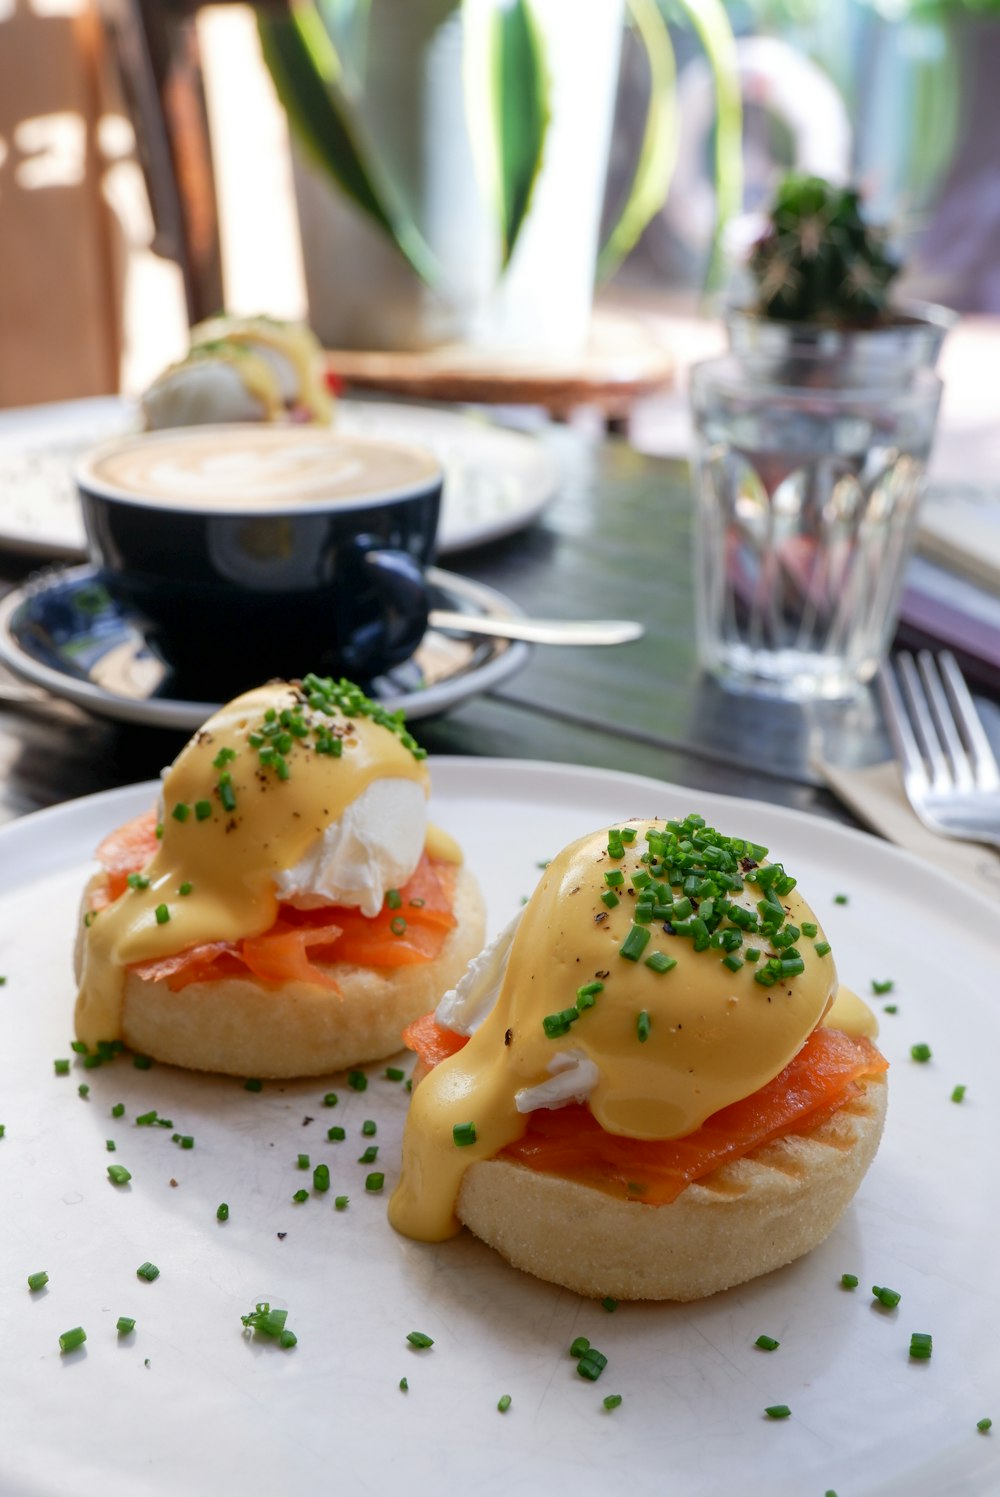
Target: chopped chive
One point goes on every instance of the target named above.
(302, 1161)
(181, 812)
(253, 1084)
(634, 943)
(983, 1425)
(124, 1325)
(404, 1386)
(642, 1025)
(777, 1411)
(822, 948)
(185, 888)
(223, 757)
(921, 1052)
(658, 961)
(202, 810)
(891, 1008)
(118, 1174)
(321, 1177)
(162, 914)
(368, 1128)
(393, 899)
(420, 1339)
(300, 1196)
(369, 1155)
(357, 1080)
(921, 1345)
(222, 1212)
(393, 1073)
(331, 1099)
(610, 898)
(70, 1340)
(142, 1062)
(579, 1346)
(61, 1067)
(890, 1298)
(227, 794)
(503, 1402)
(878, 988)
(84, 1090)
(398, 925)
(148, 1271)
(341, 1202)
(336, 1134)
(137, 881)
(810, 928)
(592, 1364)
(464, 1134)
(840, 899)
(612, 1401)
(614, 877)
(627, 834)
(118, 1110)
(767, 1343)
(733, 962)
(609, 1304)
(374, 1182)
(849, 1280)
(958, 1093)
(37, 1280)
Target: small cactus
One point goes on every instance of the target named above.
(818, 261)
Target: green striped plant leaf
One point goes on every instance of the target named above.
(658, 151)
(306, 70)
(711, 25)
(507, 107)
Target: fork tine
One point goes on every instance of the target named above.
(987, 771)
(923, 722)
(898, 722)
(944, 721)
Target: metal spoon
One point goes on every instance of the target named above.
(541, 631)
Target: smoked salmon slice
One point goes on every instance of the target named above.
(568, 1141)
(411, 931)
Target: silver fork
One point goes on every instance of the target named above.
(950, 772)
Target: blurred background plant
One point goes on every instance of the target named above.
(473, 134)
(896, 95)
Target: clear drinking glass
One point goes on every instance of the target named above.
(807, 497)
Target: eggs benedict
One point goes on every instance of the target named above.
(287, 909)
(651, 1085)
(242, 369)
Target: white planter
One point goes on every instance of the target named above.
(361, 292)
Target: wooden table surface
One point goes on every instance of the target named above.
(615, 542)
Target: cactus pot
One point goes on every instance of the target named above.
(789, 353)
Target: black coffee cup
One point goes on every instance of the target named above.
(259, 551)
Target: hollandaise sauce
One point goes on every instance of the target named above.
(671, 969)
(246, 798)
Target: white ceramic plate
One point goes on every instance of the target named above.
(188, 1404)
(496, 481)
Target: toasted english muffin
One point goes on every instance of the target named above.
(241, 1026)
(744, 1219)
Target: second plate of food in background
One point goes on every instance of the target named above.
(496, 481)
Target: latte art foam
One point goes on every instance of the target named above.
(255, 468)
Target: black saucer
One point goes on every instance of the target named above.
(62, 630)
